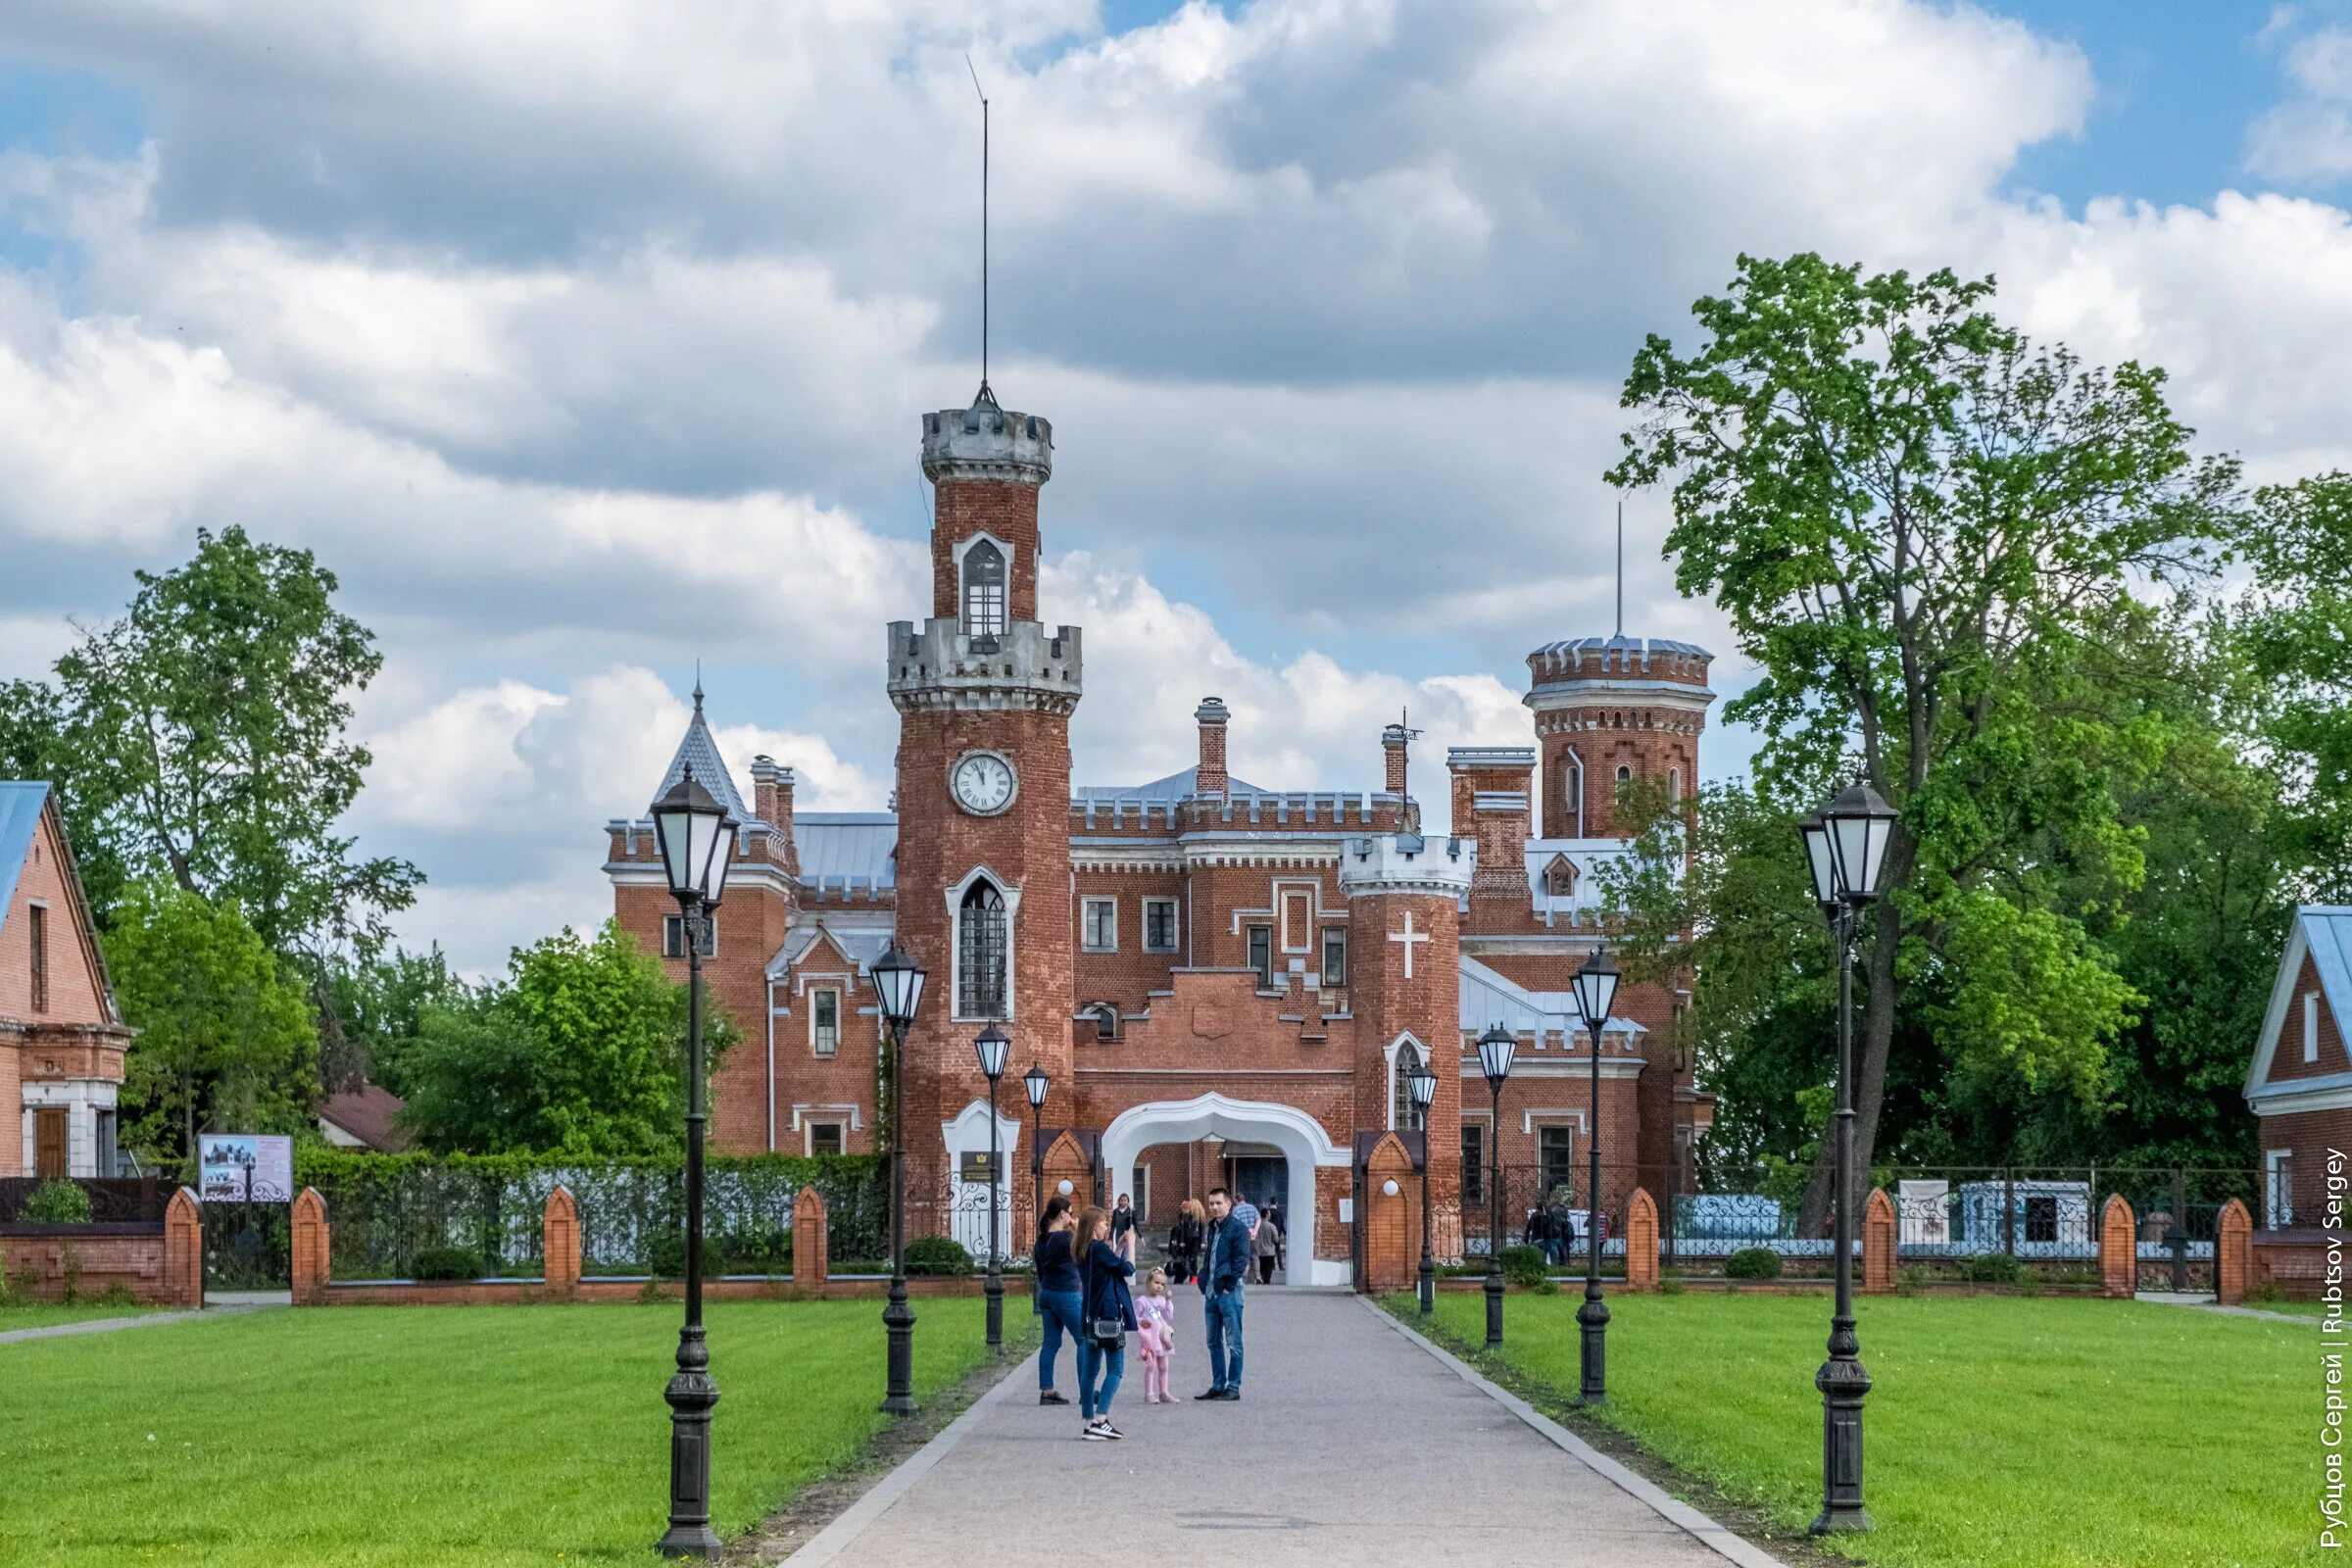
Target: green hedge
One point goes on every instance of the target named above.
(385, 1210)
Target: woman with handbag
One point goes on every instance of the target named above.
(1109, 1319)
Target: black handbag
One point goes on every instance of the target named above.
(1107, 1333)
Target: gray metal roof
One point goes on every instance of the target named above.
(847, 846)
(698, 749)
(1632, 645)
(1175, 786)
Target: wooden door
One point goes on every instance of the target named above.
(49, 1142)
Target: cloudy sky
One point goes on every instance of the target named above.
(586, 340)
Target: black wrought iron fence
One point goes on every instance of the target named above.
(1993, 1224)
(632, 1217)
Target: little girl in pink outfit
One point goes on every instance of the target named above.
(1155, 1335)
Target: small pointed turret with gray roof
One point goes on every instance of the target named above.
(700, 750)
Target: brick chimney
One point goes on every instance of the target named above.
(1392, 746)
(1210, 778)
(771, 803)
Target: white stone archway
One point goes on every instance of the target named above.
(1301, 1138)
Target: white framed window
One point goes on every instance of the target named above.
(826, 1138)
(1575, 788)
(983, 951)
(1625, 774)
(674, 936)
(2279, 1188)
(1101, 931)
(984, 590)
(1403, 1115)
(2311, 1026)
(824, 1020)
(1673, 783)
(1160, 925)
(1335, 956)
(1555, 1158)
(1474, 1163)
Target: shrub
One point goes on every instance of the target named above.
(665, 1255)
(446, 1264)
(1752, 1263)
(117, 1293)
(1910, 1279)
(58, 1202)
(2265, 1293)
(1993, 1268)
(1524, 1265)
(1671, 1284)
(754, 1250)
(70, 1265)
(937, 1254)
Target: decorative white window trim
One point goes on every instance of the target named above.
(848, 1112)
(964, 548)
(1555, 1115)
(1012, 925)
(2311, 1026)
(1395, 1049)
(1576, 791)
(1087, 905)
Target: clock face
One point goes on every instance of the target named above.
(982, 783)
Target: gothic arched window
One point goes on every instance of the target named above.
(984, 591)
(980, 953)
(1403, 1114)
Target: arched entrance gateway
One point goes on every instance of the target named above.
(1306, 1146)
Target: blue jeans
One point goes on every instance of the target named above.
(1060, 1311)
(1223, 1313)
(1092, 1362)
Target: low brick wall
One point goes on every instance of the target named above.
(133, 1256)
(2293, 1262)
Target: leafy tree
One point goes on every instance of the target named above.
(579, 1050)
(375, 1012)
(201, 738)
(2296, 627)
(225, 1039)
(1916, 519)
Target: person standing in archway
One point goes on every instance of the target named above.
(1222, 1275)
(1269, 1245)
(1184, 1240)
(1122, 1228)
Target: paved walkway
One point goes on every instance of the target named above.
(1352, 1444)
(144, 1321)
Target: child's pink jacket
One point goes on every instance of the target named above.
(1155, 1320)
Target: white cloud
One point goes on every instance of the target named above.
(2308, 137)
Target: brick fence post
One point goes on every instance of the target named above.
(1878, 1236)
(559, 1242)
(183, 1251)
(810, 1261)
(310, 1268)
(2233, 1242)
(1640, 1241)
(2119, 1248)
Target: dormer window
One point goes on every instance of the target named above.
(984, 602)
(1560, 877)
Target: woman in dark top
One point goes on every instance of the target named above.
(1105, 1274)
(1122, 1228)
(1057, 1294)
(1184, 1244)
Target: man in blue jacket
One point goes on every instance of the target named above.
(1224, 1267)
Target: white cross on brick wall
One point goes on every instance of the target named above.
(1408, 936)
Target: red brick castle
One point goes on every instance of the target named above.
(1224, 982)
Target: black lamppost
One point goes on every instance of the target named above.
(1845, 847)
(1495, 1049)
(1596, 988)
(1036, 1083)
(694, 833)
(899, 981)
(1424, 1087)
(991, 1044)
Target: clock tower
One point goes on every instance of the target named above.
(984, 693)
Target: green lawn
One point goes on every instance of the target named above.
(410, 1436)
(2003, 1432)
(41, 1314)
(2291, 1308)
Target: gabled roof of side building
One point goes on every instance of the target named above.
(2322, 932)
(21, 804)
